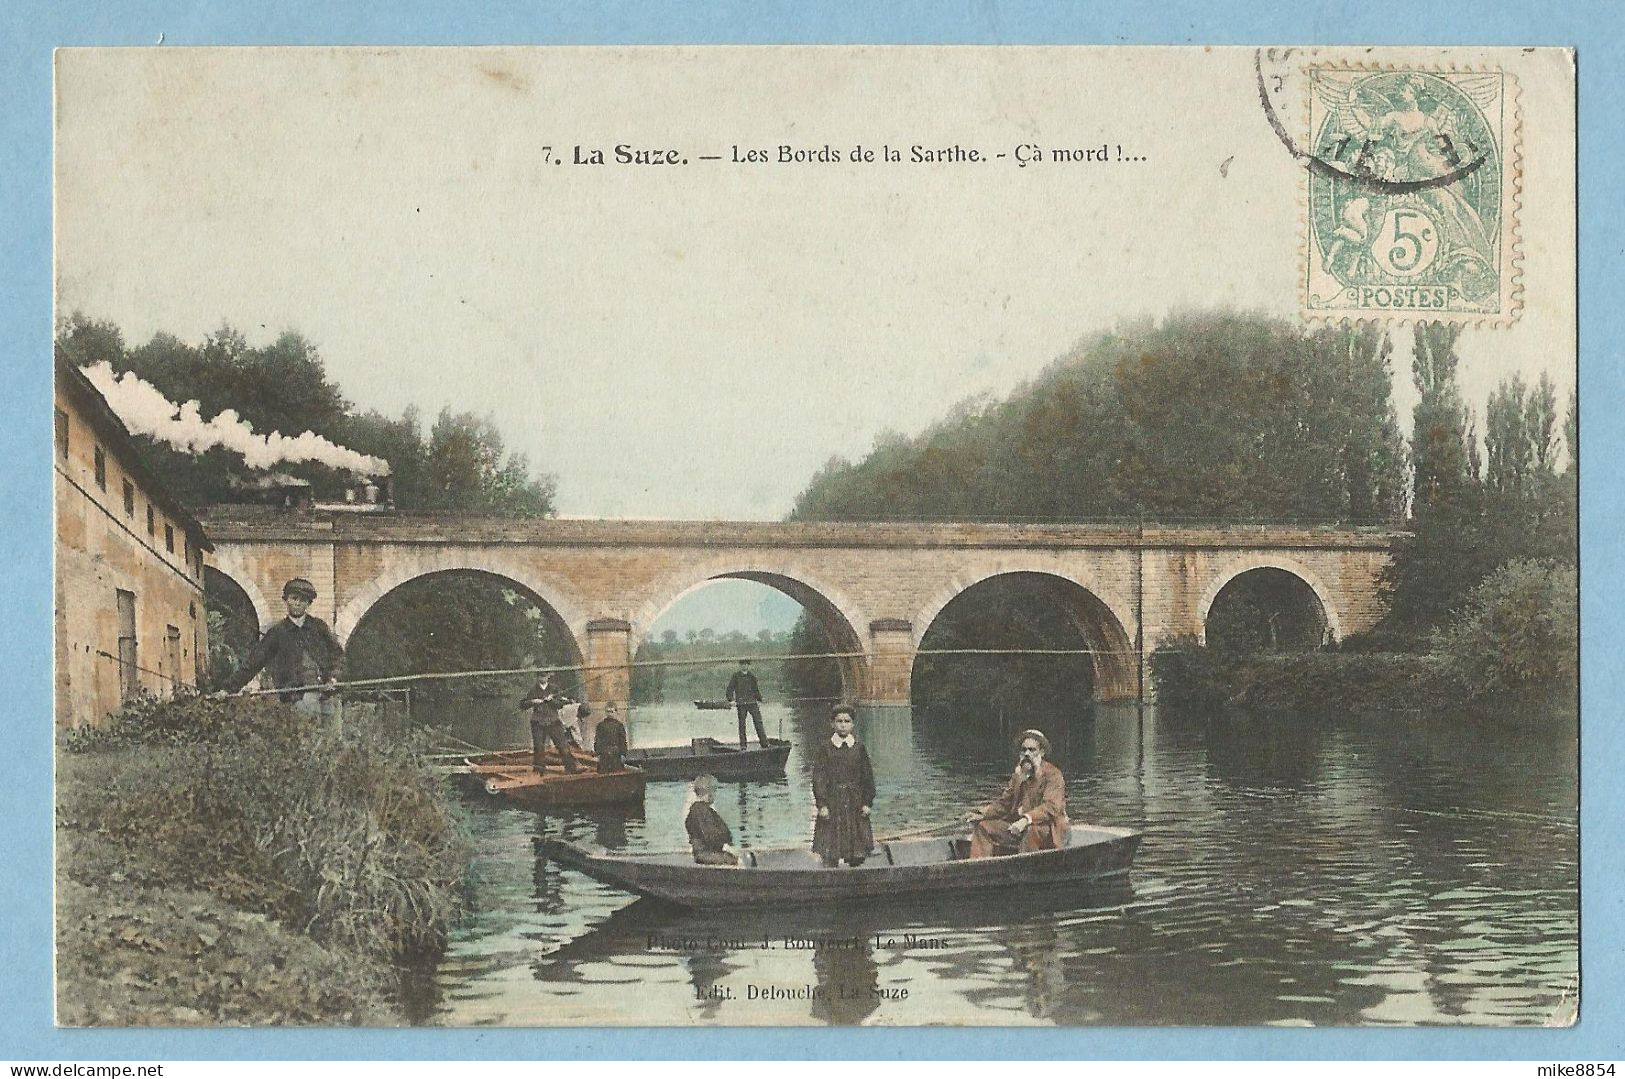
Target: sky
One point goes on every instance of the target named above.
(695, 341)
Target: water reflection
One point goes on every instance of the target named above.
(1369, 872)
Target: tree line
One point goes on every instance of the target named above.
(1229, 417)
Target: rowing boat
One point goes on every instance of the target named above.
(512, 774)
(709, 756)
(917, 868)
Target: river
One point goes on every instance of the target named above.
(1379, 871)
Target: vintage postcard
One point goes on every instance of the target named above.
(816, 536)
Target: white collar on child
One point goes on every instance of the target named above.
(837, 741)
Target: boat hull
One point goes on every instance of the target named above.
(707, 756)
(511, 775)
(914, 869)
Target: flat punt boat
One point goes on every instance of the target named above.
(917, 868)
(707, 755)
(512, 775)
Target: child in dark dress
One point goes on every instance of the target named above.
(709, 836)
(844, 790)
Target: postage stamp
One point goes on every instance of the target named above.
(1411, 194)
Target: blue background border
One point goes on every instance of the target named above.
(30, 29)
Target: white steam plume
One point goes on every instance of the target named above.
(146, 411)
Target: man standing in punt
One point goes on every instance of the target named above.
(746, 696)
(1031, 813)
(545, 701)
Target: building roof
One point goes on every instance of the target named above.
(112, 431)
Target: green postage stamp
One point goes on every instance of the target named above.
(1412, 192)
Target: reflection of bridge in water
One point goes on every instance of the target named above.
(874, 588)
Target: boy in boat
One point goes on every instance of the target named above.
(544, 702)
(609, 741)
(708, 834)
(746, 696)
(1031, 813)
(844, 790)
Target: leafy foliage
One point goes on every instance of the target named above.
(1207, 415)
(1520, 628)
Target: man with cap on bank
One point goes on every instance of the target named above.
(300, 650)
(1031, 813)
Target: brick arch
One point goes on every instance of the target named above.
(229, 565)
(1246, 563)
(568, 614)
(830, 605)
(1101, 616)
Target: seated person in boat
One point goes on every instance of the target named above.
(708, 834)
(609, 741)
(1031, 813)
(545, 701)
(844, 790)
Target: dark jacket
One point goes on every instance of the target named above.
(843, 782)
(544, 703)
(742, 688)
(282, 650)
(609, 742)
(708, 833)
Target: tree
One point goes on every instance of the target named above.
(1519, 628)
(1439, 442)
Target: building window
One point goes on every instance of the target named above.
(129, 499)
(152, 528)
(101, 469)
(169, 538)
(62, 434)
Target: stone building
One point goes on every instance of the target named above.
(130, 616)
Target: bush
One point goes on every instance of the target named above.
(1188, 674)
(348, 837)
(1520, 629)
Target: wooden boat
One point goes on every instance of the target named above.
(512, 774)
(713, 706)
(707, 755)
(908, 868)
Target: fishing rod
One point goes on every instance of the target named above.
(577, 670)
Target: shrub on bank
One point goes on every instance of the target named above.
(345, 836)
(1520, 628)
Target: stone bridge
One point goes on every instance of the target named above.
(873, 587)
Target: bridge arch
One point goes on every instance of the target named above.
(1239, 565)
(232, 568)
(569, 615)
(1101, 618)
(834, 611)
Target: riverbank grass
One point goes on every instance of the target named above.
(232, 862)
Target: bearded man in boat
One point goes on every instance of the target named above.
(1031, 812)
(545, 701)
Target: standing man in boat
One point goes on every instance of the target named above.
(843, 783)
(298, 651)
(1031, 813)
(746, 696)
(709, 836)
(544, 701)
